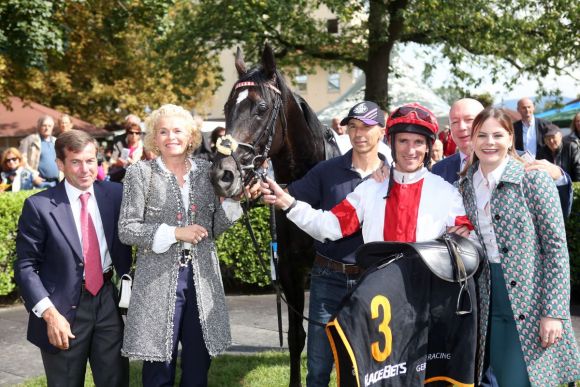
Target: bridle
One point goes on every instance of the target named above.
(227, 145)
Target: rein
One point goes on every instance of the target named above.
(228, 146)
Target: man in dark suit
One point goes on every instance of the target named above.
(461, 116)
(67, 247)
(529, 131)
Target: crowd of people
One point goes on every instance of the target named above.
(506, 186)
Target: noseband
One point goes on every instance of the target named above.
(227, 145)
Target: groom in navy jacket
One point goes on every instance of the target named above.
(71, 319)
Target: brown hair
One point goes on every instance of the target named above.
(73, 141)
(504, 120)
(5, 154)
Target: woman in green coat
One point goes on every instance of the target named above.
(525, 327)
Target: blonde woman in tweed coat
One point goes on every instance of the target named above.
(170, 212)
(525, 283)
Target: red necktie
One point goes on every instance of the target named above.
(91, 249)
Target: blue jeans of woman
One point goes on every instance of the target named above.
(327, 289)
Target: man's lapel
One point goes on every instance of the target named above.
(106, 209)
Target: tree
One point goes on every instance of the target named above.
(112, 61)
(532, 37)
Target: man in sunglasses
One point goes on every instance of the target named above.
(461, 116)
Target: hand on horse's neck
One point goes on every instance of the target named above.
(366, 162)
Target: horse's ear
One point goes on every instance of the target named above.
(268, 61)
(240, 65)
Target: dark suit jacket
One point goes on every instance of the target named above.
(448, 169)
(541, 129)
(50, 258)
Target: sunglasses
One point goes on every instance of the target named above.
(420, 113)
(12, 159)
(135, 133)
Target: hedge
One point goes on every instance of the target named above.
(236, 252)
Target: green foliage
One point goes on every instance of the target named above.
(573, 239)
(10, 208)
(237, 254)
(529, 37)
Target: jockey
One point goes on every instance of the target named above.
(412, 205)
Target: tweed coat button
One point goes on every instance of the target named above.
(73, 307)
(513, 283)
(522, 317)
(81, 264)
(497, 217)
(504, 250)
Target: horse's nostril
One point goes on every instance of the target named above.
(227, 177)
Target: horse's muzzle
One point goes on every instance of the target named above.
(225, 178)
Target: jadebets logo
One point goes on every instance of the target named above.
(386, 372)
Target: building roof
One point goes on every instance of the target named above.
(20, 120)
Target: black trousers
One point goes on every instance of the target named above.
(98, 331)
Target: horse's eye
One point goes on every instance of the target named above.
(262, 107)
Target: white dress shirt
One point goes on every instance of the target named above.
(73, 195)
(529, 137)
(483, 192)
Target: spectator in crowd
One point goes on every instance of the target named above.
(520, 225)
(127, 150)
(446, 138)
(64, 124)
(15, 176)
(529, 131)
(67, 246)
(170, 212)
(574, 130)
(437, 151)
(38, 152)
(218, 132)
(337, 127)
(566, 155)
(461, 116)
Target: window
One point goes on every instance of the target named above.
(301, 82)
(332, 26)
(333, 82)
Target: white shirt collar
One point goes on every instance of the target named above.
(493, 177)
(73, 193)
(409, 177)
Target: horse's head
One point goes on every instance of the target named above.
(255, 124)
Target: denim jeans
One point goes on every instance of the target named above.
(327, 289)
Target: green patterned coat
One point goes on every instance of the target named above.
(529, 229)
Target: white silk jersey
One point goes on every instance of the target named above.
(422, 206)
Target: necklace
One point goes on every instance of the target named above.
(184, 217)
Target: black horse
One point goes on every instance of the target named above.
(267, 120)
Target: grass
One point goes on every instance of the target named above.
(266, 369)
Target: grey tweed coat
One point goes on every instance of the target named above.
(529, 231)
(149, 201)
